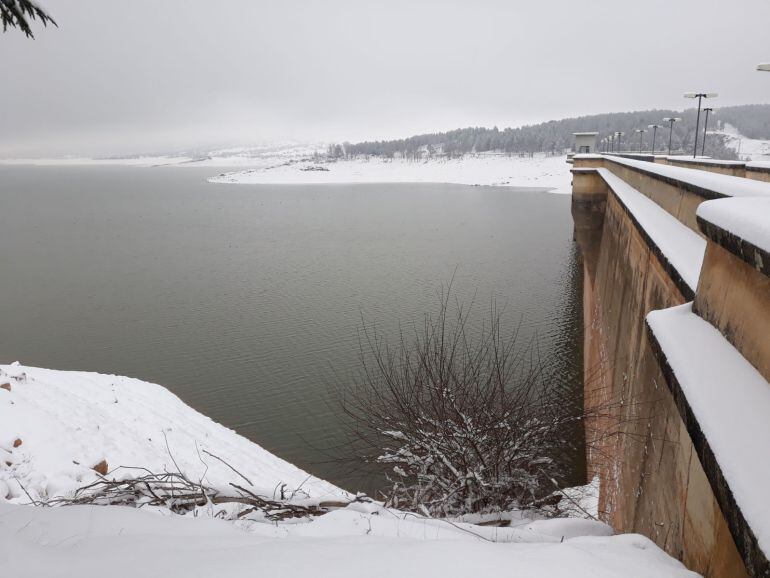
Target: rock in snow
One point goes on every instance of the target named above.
(72, 421)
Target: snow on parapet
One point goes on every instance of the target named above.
(730, 401)
(705, 161)
(55, 426)
(745, 218)
(682, 247)
(717, 184)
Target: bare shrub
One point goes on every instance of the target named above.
(464, 418)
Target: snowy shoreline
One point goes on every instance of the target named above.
(539, 171)
(295, 167)
(57, 426)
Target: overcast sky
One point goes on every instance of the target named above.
(122, 76)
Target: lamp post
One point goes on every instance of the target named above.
(705, 128)
(765, 67)
(671, 120)
(654, 128)
(700, 96)
(618, 135)
(641, 132)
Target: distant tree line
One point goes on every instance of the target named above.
(751, 120)
(556, 136)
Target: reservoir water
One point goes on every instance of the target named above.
(246, 300)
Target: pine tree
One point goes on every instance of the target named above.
(19, 14)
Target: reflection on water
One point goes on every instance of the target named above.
(246, 300)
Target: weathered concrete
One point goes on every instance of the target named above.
(653, 480)
(735, 298)
(758, 173)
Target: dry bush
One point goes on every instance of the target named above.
(464, 419)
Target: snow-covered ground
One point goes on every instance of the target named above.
(55, 426)
(121, 542)
(66, 422)
(748, 149)
(550, 172)
(306, 164)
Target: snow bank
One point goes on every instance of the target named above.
(731, 402)
(746, 218)
(55, 426)
(121, 542)
(683, 248)
(550, 172)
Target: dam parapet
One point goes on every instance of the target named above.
(676, 305)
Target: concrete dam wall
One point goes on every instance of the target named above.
(676, 260)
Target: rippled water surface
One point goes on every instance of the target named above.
(245, 300)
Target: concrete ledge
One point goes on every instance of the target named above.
(704, 390)
(759, 171)
(705, 185)
(741, 226)
(732, 168)
(759, 166)
(638, 156)
(677, 248)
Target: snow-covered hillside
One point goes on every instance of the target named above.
(55, 426)
(748, 149)
(550, 172)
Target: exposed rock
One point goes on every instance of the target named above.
(101, 467)
(6, 386)
(17, 442)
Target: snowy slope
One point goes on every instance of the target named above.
(69, 421)
(550, 172)
(748, 149)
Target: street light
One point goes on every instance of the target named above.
(654, 128)
(765, 66)
(612, 143)
(641, 132)
(671, 120)
(700, 96)
(705, 128)
(618, 135)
